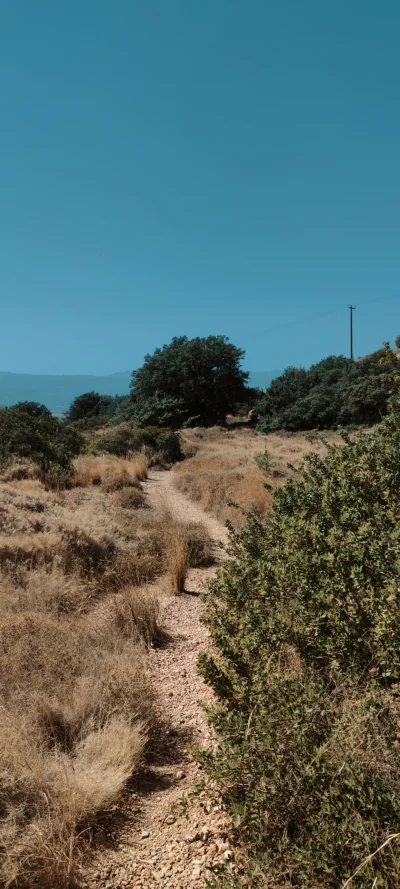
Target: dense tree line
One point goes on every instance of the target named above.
(200, 381)
(334, 392)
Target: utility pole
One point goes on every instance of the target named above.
(351, 331)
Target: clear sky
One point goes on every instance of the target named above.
(197, 166)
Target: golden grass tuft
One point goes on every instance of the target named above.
(76, 706)
(176, 553)
(47, 795)
(109, 471)
(75, 712)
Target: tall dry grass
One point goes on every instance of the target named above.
(76, 706)
(221, 466)
(178, 545)
(176, 552)
(77, 615)
(111, 472)
(76, 709)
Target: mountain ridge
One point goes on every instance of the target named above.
(57, 391)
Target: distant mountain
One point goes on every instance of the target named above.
(57, 392)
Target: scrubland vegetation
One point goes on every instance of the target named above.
(335, 392)
(304, 619)
(305, 667)
(77, 612)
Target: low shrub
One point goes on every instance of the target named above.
(305, 625)
(161, 446)
(263, 461)
(131, 497)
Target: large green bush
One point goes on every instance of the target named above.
(305, 625)
(87, 406)
(336, 391)
(197, 381)
(29, 431)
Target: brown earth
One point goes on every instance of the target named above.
(168, 838)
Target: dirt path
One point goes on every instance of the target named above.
(161, 845)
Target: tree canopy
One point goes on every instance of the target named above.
(87, 405)
(190, 381)
(336, 391)
(29, 431)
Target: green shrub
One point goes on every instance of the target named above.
(305, 625)
(33, 433)
(160, 445)
(263, 461)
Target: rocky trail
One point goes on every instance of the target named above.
(159, 841)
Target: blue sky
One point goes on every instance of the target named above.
(177, 166)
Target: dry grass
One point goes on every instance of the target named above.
(76, 708)
(76, 617)
(220, 465)
(111, 472)
(176, 552)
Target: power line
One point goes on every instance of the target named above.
(307, 319)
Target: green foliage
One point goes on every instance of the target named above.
(196, 380)
(33, 408)
(29, 431)
(160, 445)
(121, 409)
(336, 391)
(263, 461)
(161, 410)
(86, 406)
(305, 626)
(397, 342)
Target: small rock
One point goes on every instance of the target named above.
(145, 834)
(179, 775)
(170, 819)
(196, 873)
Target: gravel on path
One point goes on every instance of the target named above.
(159, 842)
